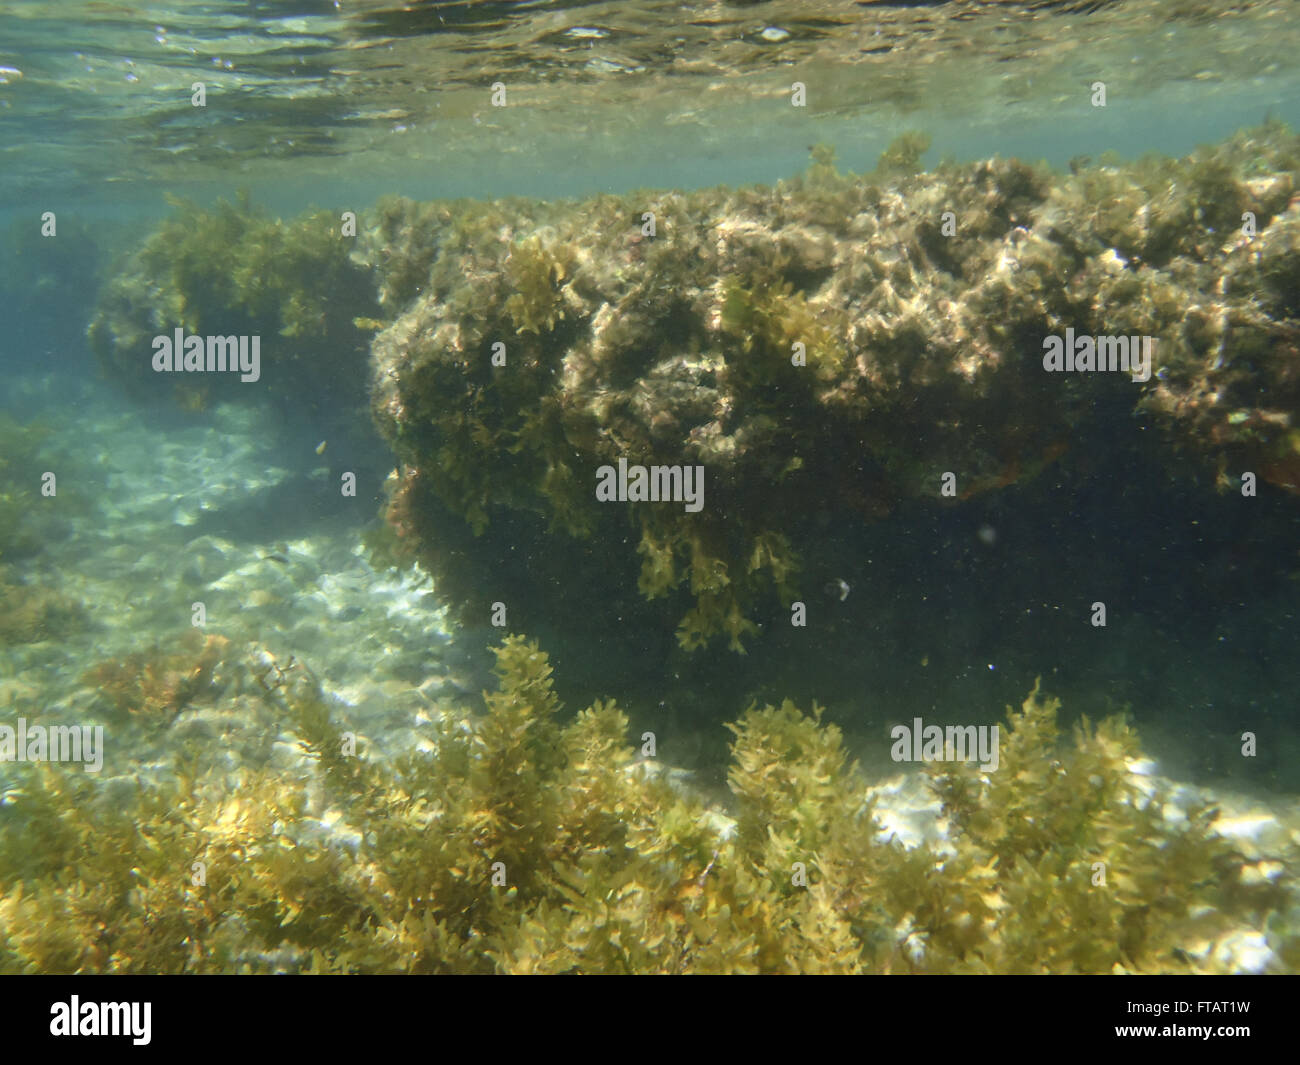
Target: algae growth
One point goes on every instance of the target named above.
(528, 843)
(231, 270)
(837, 344)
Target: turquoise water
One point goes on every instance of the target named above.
(944, 606)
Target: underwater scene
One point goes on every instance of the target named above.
(807, 486)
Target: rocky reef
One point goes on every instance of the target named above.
(232, 270)
(832, 346)
(525, 842)
(822, 351)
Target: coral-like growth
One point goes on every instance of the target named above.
(524, 845)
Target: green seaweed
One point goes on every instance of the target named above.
(902, 157)
(233, 270)
(536, 272)
(526, 845)
(768, 322)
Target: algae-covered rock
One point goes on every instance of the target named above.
(233, 271)
(772, 359)
(833, 345)
(524, 843)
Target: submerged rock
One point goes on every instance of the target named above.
(836, 344)
(835, 341)
(228, 276)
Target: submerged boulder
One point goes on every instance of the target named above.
(835, 344)
(675, 395)
(228, 303)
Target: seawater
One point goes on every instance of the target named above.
(171, 558)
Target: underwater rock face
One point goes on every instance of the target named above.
(834, 342)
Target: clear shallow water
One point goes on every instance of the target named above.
(338, 104)
(314, 99)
